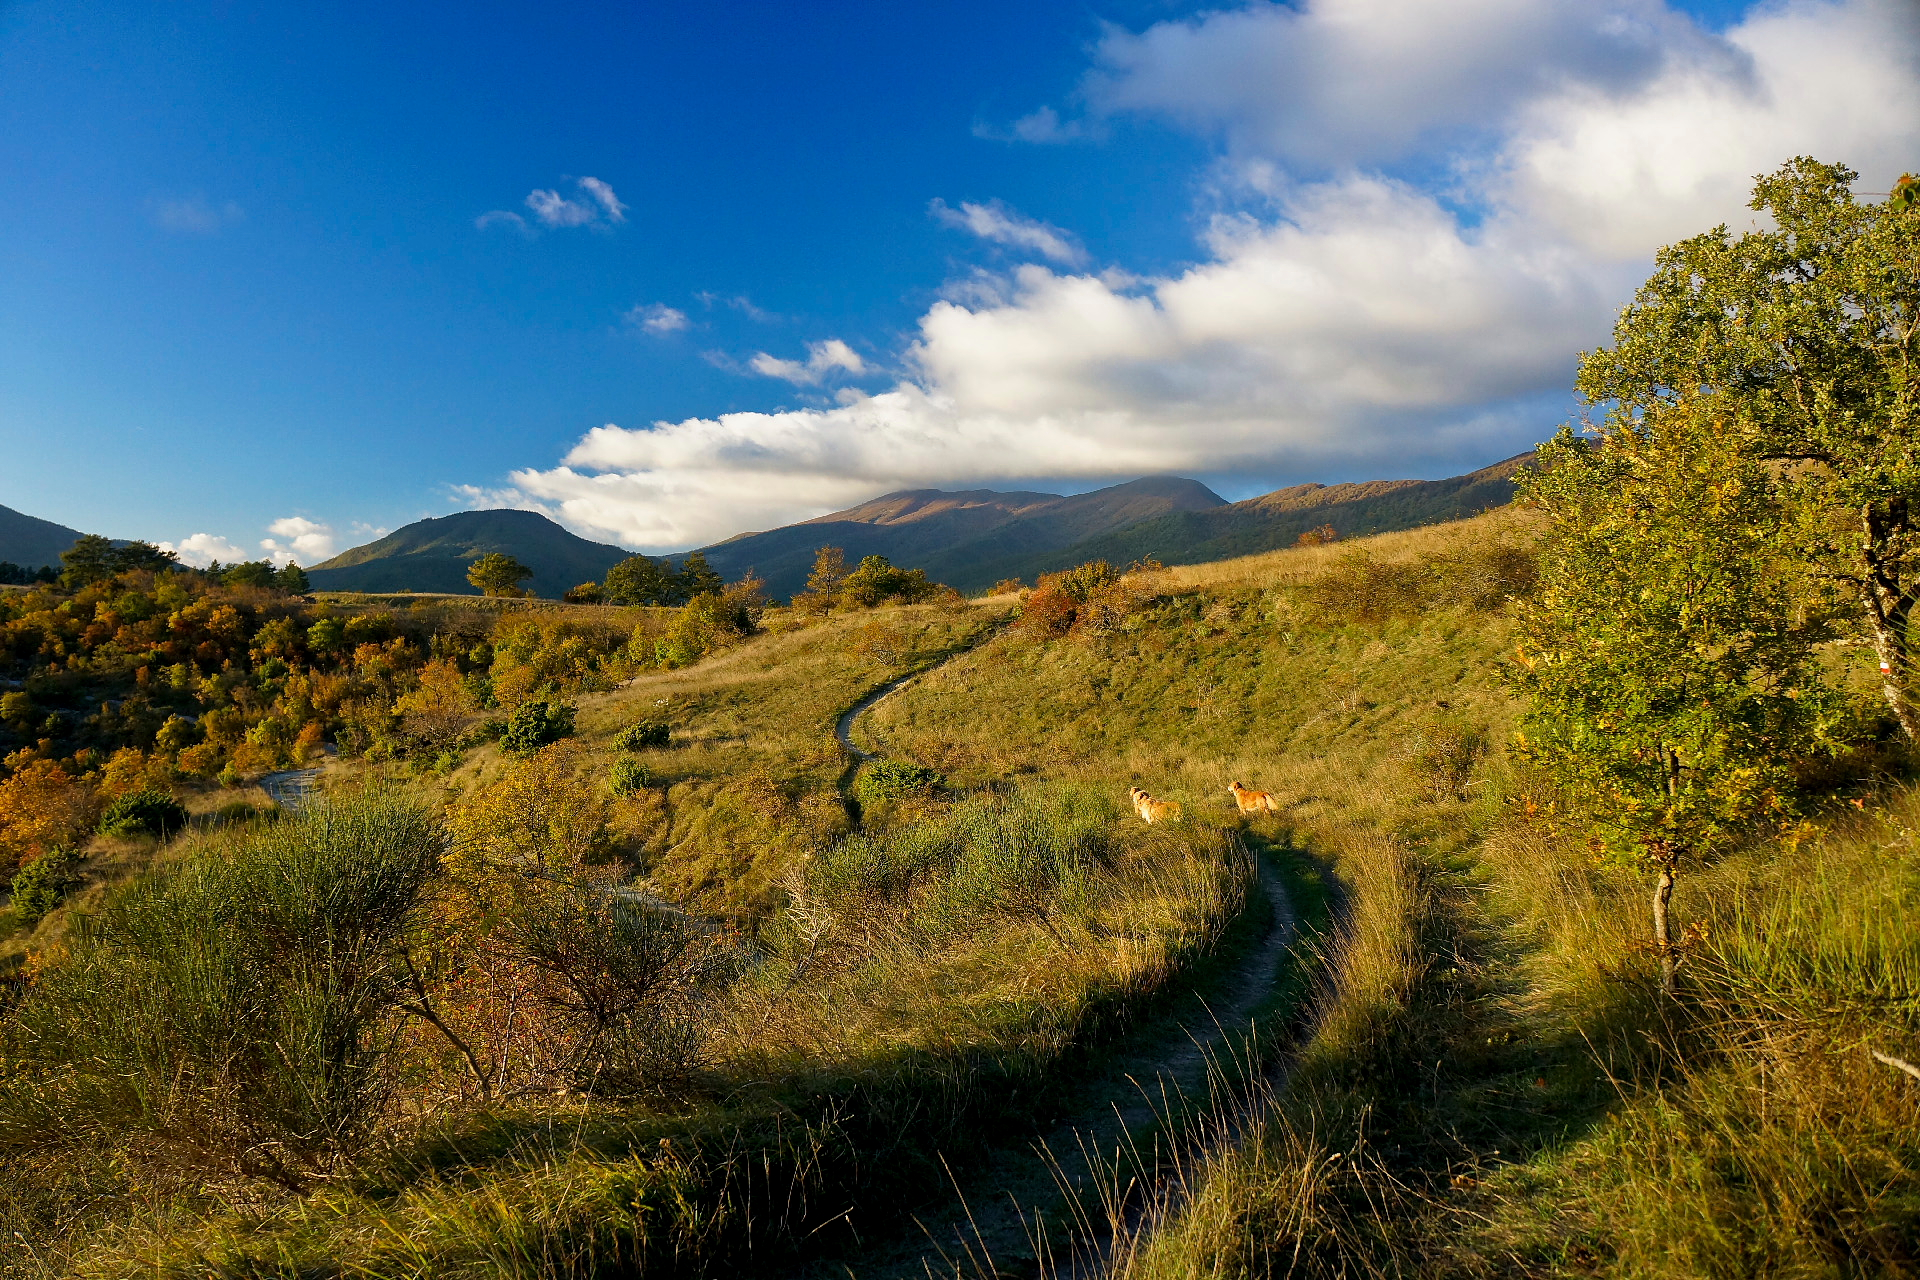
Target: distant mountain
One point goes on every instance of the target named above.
(434, 554)
(1269, 522)
(31, 542)
(974, 538)
(952, 534)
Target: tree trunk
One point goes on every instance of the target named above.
(1662, 934)
(1889, 608)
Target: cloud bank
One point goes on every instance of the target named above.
(1345, 309)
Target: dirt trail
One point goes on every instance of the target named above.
(987, 1231)
(291, 788)
(843, 728)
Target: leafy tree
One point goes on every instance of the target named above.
(327, 635)
(292, 579)
(87, 561)
(585, 593)
(94, 559)
(823, 584)
(250, 573)
(877, 581)
(641, 580)
(1810, 330)
(698, 578)
(498, 574)
(1668, 649)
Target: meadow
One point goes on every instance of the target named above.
(863, 988)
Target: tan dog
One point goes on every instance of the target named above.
(1151, 810)
(1251, 801)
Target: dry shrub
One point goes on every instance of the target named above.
(1360, 587)
(546, 971)
(1440, 758)
(1090, 599)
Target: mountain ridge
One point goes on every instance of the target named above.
(31, 542)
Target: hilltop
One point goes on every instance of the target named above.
(432, 555)
(31, 542)
(971, 539)
(960, 538)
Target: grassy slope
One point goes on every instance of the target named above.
(826, 1097)
(1490, 1084)
(1486, 1085)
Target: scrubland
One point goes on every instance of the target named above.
(852, 1003)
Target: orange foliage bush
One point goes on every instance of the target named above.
(42, 807)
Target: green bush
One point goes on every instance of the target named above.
(264, 969)
(628, 776)
(39, 885)
(1031, 856)
(144, 813)
(894, 780)
(647, 733)
(534, 724)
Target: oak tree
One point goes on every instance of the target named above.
(1808, 329)
(1668, 648)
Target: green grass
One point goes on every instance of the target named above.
(1475, 1074)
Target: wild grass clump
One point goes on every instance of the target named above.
(1362, 587)
(223, 1018)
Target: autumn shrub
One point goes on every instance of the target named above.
(566, 976)
(144, 813)
(1048, 612)
(1318, 537)
(1090, 599)
(1440, 758)
(42, 807)
(535, 724)
(264, 968)
(644, 734)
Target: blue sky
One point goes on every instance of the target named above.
(250, 288)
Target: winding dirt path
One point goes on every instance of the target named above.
(291, 788)
(988, 1230)
(843, 728)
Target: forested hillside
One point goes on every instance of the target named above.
(433, 555)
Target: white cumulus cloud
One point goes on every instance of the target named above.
(997, 223)
(202, 549)
(823, 358)
(1340, 314)
(658, 319)
(298, 540)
